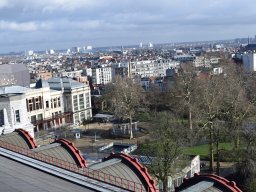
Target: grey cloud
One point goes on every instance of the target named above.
(41, 24)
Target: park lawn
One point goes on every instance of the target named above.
(203, 150)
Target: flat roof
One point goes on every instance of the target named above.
(13, 89)
(100, 115)
(16, 177)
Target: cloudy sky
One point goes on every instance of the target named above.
(61, 24)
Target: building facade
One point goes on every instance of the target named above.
(102, 75)
(152, 68)
(45, 106)
(48, 105)
(249, 61)
(76, 98)
(13, 111)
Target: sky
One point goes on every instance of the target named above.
(62, 24)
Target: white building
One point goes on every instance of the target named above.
(29, 53)
(217, 70)
(205, 62)
(71, 74)
(120, 69)
(51, 51)
(177, 179)
(13, 111)
(152, 68)
(249, 61)
(89, 47)
(102, 75)
(46, 106)
(76, 98)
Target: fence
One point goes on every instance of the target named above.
(95, 174)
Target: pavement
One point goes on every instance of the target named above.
(87, 144)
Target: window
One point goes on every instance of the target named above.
(40, 116)
(17, 116)
(37, 103)
(47, 104)
(75, 103)
(88, 115)
(81, 101)
(54, 102)
(76, 118)
(1, 118)
(33, 118)
(88, 104)
(82, 116)
(30, 105)
(59, 104)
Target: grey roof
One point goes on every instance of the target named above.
(99, 115)
(59, 83)
(101, 165)
(16, 73)
(16, 139)
(203, 186)
(13, 89)
(12, 68)
(119, 169)
(56, 150)
(17, 177)
(42, 84)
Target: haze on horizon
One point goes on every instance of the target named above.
(60, 24)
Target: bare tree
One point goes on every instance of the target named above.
(125, 98)
(183, 90)
(210, 93)
(237, 104)
(155, 98)
(165, 150)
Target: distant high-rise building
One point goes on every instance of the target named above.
(89, 47)
(140, 45)
(29, 53)
(51, 51)
(150, 45)
(74, 49)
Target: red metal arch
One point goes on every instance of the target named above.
(74, 152)
(229, 186)
(139, 169)
(27, 137)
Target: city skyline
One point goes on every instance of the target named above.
(58, 24)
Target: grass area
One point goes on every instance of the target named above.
(203, 150)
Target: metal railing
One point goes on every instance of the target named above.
(85, 171)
